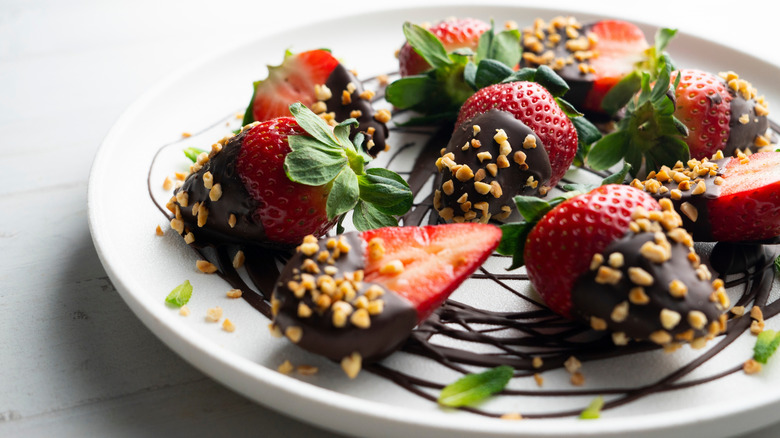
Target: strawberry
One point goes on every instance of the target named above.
(280, 180)
(319, 81)
(721, 112)
(591, 58)
(356, 297)
(534, 106)
(731, 199)
(454, 34)
(617, 260)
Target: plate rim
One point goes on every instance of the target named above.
(200, 352)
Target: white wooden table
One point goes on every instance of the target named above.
(74, 361)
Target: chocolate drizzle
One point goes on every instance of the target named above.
(535, 332)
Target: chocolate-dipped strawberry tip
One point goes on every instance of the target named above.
(723, 199)
(489, 160)
(651, 285)
(355, 298)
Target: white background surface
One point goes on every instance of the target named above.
(74, 360)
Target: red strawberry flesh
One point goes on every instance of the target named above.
(748, 207)
(436, 260)
(291, 82)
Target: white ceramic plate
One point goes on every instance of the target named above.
(145, 267)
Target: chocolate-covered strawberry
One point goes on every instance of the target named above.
(318, 80)
(709, 113)
(618, 260)
(509, 139)
(282, 179)
(591, 58)
(356, 297)
(732, 199)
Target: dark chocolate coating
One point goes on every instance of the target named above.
(590, 298)
(512, 179)
(742, 136)
(234, 200)
(388, 329)
(337, 83)
(733, 258)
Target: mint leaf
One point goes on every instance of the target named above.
(311, 163)
(344, 194)
(593, 411)
(180, 295)
(766, 345)
(473, 388)
(386, 191)
(426, 45)
(777, 264)
(192, 153)
(313, 124)
(367, 217)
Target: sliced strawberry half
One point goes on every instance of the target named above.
(435, 260)
(736, 200)
(356, 297)
(454, 33)
(292, 81)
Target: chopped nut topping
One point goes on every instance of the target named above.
(616, 260)
(619, 338)
(607, 275)
(376, 249)
(285, 368)
(493, 168)
(502, 162)
(678, 289)
(596, 261)
(205, 267)
(294, 334)
(464, 173)
(661, 337)
(538, 379)
(228, 326)
(500, 136)
(393, 267)
(382, 116)
(234, 293)
(572, 365)
(751, 366)
(322, 92)
(482, 188)
(203, 214)
(640, 277)
(208, 180)
(738, 310)
(637, 295)
(189, 238)
(620, 312)
(577, 379)
(690, 211)
(232, 220)
(214, 314)
(352, 364)
(597, 323)
(670, 318)
(537, 362)
(184, 310)
(697, 319)
(367, 95)
(482, 156)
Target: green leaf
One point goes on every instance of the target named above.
(524, 74)
(366, 217)
(313, 124)
(344, 194)
(249, 116)
(512, 243)
(568, 108)
(491, 72)
(777, 264)
(587, 132)
(385, 192)
(426, 45)
(546, 77)
(473, 388)
(180, 295)
(470, 75)
(618, 177)
(619, 95)
(662, 38)
(593, 411)
(342, 130)
(411, 91)
(531, 207)
(506, 47)
(192, 153)
(606, 152)
(766, 345)
(311, 163)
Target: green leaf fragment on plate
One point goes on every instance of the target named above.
(192, 153)
(180, 295)
(593, 411)
(766, 345)
(473, 388)
(777, 261)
